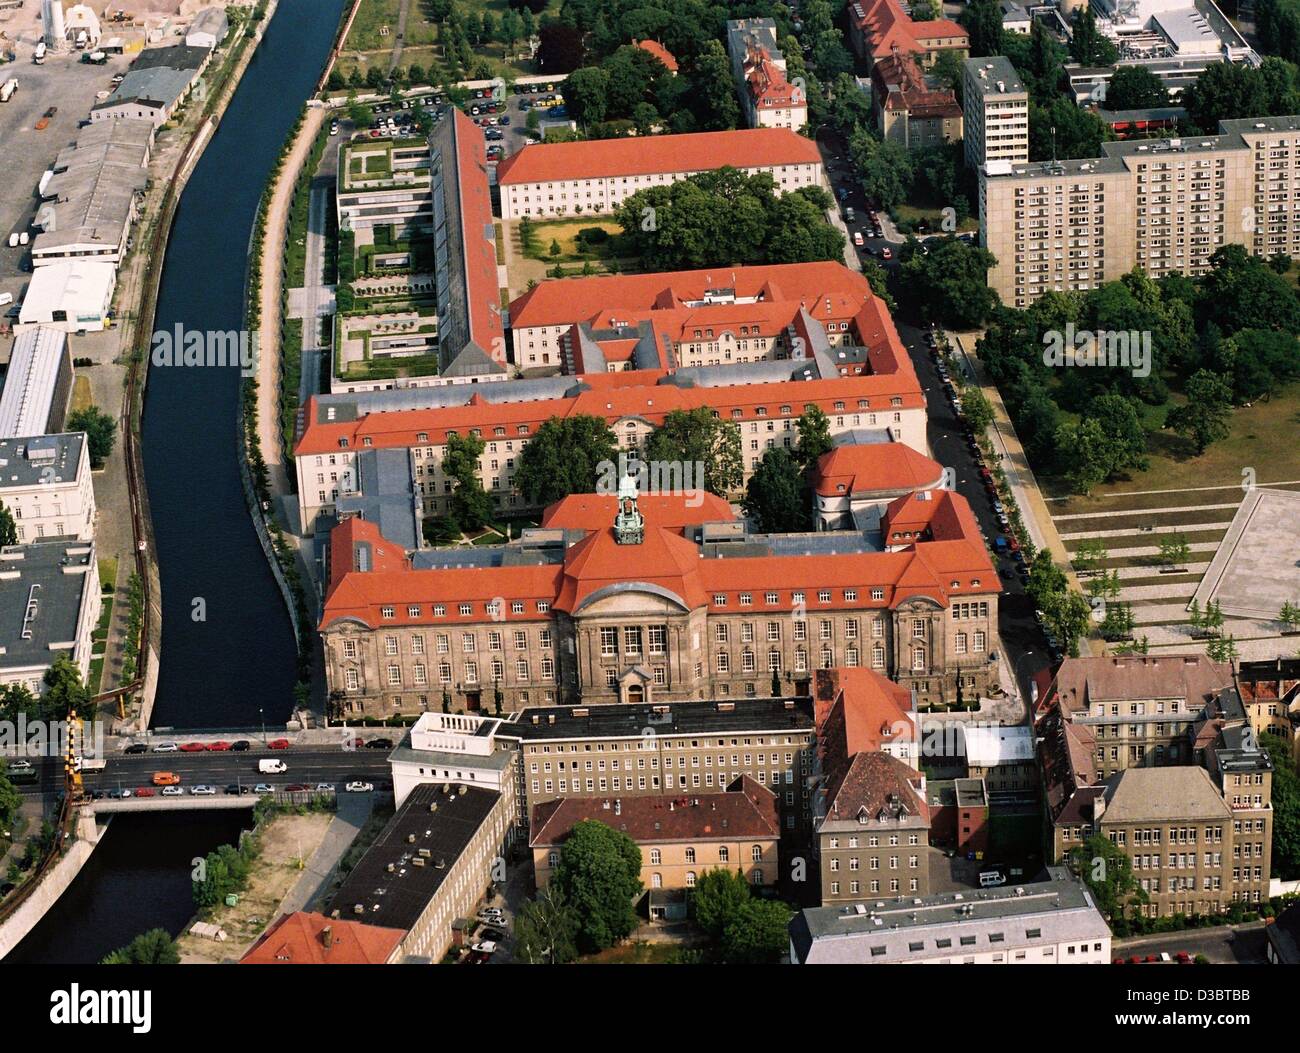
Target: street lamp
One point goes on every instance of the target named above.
(262, 717)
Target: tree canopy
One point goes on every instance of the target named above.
(599, 876)
(564, 457)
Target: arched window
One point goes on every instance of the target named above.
(690, 879)
(655, 857)
(756, 853)
(690, 855)
(724, 854)
(656, 881)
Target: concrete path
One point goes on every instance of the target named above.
(1182, 528)
(1184, 490)
(1145, 511)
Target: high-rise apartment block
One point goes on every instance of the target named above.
(996, 112)
(1162, 205)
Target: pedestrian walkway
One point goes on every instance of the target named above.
(353, 811)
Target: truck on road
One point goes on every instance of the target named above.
(272, 767)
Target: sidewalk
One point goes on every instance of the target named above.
(353, 811)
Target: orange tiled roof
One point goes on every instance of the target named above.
(485, 323)
(670, 511)
(874, 467)
(860, 711)
(303, 938)
(653, 47)
(885, 26)
(647, 155)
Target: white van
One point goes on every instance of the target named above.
(272, 766)
(992, 878)
(6, 298)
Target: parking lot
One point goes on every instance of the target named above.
(25, 153)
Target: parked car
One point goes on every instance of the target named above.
(359, 787)
(166, 747)
(218, 747)
(379, 744)
(484, 947)
(324, 787)
(297, 787)
(234, 789)
(144, 791)
(192, 747)
(858, 239)
(263, 788)
(118, 795)
(173, 791)
(239, 746)
(886, 253)
(203, 790)
(278, 744)
(136, 747)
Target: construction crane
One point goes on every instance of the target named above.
(72, 761)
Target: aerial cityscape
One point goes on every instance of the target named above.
(652, 482)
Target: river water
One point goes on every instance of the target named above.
(228, 652)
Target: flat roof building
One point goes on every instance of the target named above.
(49, 606)
(37, 384)
(428, 867)
(45, 484)
(71, 295)
(997, 112)
(1053, 922)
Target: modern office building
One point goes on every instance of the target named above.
(997, 112)
(385, 183)
(1164, 205)
(596, 176)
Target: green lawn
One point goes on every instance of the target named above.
(1262, 437)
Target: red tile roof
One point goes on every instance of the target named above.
(874, 468)
(747, 810)
(949, 567)
(648, 155)
(485, 322)
(650, 402)
(858, 710)
(653, 47)
(874, 782)
(670, 511)
(303, 938)
(885, 26)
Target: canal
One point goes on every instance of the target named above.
(228, 650)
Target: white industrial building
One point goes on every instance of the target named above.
(71, 295)
(38, 384)
(208, 29)
(45, 484)
(91, 194)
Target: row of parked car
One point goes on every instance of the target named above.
(220, 746)
(233, 790)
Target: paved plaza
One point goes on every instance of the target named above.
(1257, 566)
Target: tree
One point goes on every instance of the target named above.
(951, 280)
(100, 429)
(1067, 616)
(1058, 128)
(1118, 622)
(775, 496)
(1045, 579)
(1204, 417)
(884, 168)
(718, 896)
(1088, 46)
(977, 409)
(10, 799)
(1088, 554)
(64, 692)
(1222, 649)
(1289, 616)
(470, 504)
(713, 95)
(586, 92)
(1174, 550)
(697, 437)
(564, 457)
(545, 930)
(757, 934)
(599, 874)
(1108, 872)
(8, 530)
(155, 947)
(983, 21)
(1135, 88)
(814, 429)
(1286, 807)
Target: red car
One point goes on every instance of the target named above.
(145, 791)
(1153, 957)
(1183, 958)
(192, 747)
(278, 744)
(1135, 960)
(218, 747)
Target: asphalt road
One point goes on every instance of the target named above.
(1240, 945)
(308, 765)
(1022, 639)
